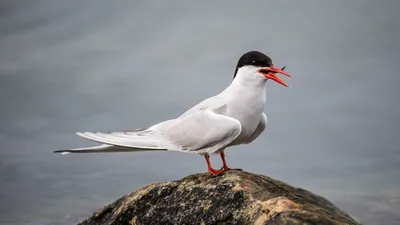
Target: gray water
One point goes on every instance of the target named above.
(68, 66)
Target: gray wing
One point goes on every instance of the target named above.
(260, 128)
(203, 131)
(146, 139)
(212, 103)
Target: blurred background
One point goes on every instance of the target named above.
(68, 66)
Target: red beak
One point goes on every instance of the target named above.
(270, 73)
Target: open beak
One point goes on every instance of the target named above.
(270, 73)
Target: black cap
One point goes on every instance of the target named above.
(253, 58)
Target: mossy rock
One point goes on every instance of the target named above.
(235, 197)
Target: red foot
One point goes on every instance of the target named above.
(215, 172)
(210, 169)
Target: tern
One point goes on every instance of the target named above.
(233, 117)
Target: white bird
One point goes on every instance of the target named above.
(233, 117)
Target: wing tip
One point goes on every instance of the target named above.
(62, 152)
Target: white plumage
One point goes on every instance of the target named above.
(233, 117)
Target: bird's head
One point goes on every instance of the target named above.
(257, 64)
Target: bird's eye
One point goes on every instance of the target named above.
(254, 62)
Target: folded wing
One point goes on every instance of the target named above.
(201, 132)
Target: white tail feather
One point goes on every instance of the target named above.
(105, 149)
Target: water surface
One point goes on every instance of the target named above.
(68, 66)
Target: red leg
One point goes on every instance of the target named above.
(224, 166)
(210, 169)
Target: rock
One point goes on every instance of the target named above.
(235, 197)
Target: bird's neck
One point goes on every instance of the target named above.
(245, 94)
(243, 86)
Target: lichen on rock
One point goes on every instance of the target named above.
(235, 197)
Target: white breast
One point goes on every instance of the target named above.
(246, 100)
(248, 112)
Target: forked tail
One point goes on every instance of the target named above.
(106, 149)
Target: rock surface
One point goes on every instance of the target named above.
(235, 197)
